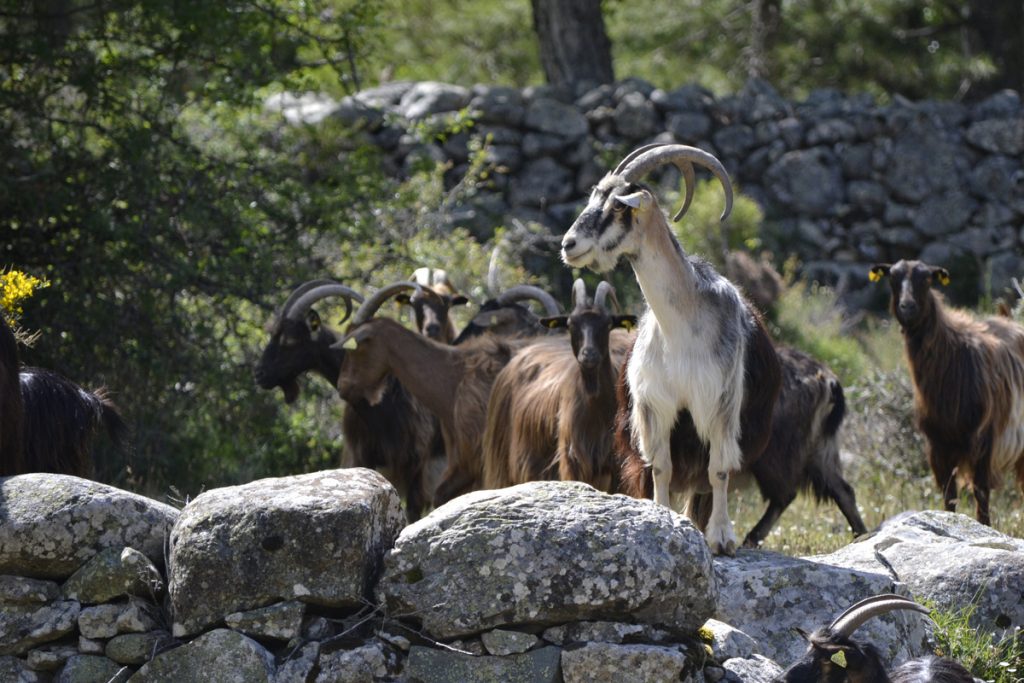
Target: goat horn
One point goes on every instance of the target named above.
(579, 294)
(521, 292)
(371, 305)
(683, 156)
(850, 620)
(605, 290)
(299, 291)
(635, 153)
(301, 304)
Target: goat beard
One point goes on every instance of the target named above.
(375, 395)
(291, 390)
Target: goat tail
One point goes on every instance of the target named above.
(634, 476)
(838, 412)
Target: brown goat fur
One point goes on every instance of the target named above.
(968, 379)
(453, 382)
(689, 472)
(543, 423)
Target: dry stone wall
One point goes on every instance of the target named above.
(844, 182)
(316, 578)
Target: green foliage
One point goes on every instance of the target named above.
(809, 318)
(999, 660)
(701, 231)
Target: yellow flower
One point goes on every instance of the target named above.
(16, 286)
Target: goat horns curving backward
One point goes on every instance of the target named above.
(605, 291)
(855, 616)
(371, 305)
(307, 294)
(521, 292)
(645, 159)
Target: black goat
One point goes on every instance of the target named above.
(61, 421)
(396, 435)
(47, 422)
(505, 316)
(833, 657)
(11, 410)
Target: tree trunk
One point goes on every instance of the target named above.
(998, 29)
(764, 27)
(574, 47)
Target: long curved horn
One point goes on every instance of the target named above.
(850, 620)
(579, 294)
(301, 305)
(605, 290)
(521, 292)
(299, 291)
(683, 156)
(371, 305)
(635, 153)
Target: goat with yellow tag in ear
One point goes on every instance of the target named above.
(834, 657)
(968, 377)
(558, 399)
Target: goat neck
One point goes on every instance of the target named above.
(666, 277)
(428, 370)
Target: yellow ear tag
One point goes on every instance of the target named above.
(494, 320)
(943, 279)
(875, 275)
(552, 324)
(350, 344)
(627, 325)
(839, 659)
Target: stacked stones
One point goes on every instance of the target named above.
(843, 181)
(313, 578)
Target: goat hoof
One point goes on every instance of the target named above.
(727, 548)
(722, 543)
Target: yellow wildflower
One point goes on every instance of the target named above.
(15, 287)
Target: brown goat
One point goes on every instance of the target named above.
(553, 406)
(802, 452)
(968, 377)
(453, 382)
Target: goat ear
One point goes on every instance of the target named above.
(459, 300)
(554, 322)
(941, 274)
(637, 200)
(878, 271)
(403, 298)
(313, 320)
(626, 322)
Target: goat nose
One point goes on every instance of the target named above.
(433, 330)
(568, 243)
(589, 357)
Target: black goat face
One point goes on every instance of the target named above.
(289, 353)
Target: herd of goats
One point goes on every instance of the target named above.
(670, 404)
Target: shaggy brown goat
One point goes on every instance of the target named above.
(453, 382)
(553, 406)
(968, 377)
